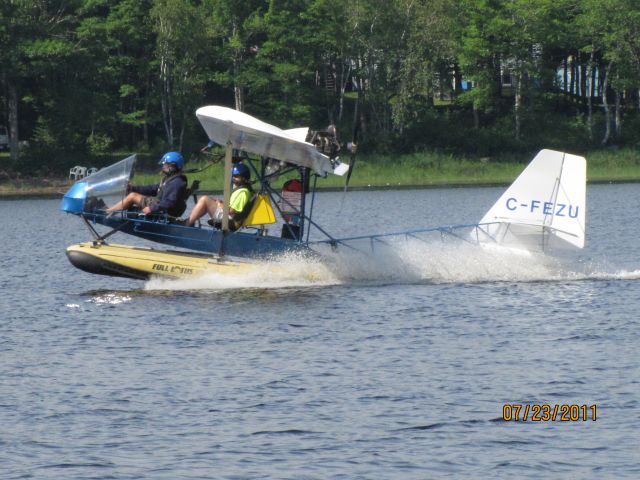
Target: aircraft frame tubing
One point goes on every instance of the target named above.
(412, 233)
(449, 231)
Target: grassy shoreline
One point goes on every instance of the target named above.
(421, 170)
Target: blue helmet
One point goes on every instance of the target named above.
(173, 157)
(240, 169)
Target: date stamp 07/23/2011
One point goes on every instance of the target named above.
(515, 412)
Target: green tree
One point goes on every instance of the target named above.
(431, 59)
(181, 49)
(381, 33)
(612, 28)
(37, 46)
(236, 30)
(281, 80)
(129, 67)
(113, 40)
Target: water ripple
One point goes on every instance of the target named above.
(382, 371)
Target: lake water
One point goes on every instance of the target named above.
(397, 367)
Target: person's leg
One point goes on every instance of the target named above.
(131, 199)
(205, 205)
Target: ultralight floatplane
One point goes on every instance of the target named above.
(544, 207)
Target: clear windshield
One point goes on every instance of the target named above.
(101, 188)
(111, 180)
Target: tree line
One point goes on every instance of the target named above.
(478, 77)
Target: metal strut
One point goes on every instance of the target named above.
(100, 239)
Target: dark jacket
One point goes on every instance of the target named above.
(170, 193)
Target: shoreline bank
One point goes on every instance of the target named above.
(59, 190)
(410, 171)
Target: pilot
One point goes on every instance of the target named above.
(238, 203)
(168, 196)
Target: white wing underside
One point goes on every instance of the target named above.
(247, 133)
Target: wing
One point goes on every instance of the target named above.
(247, 133)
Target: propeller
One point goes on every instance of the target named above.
(352, 146)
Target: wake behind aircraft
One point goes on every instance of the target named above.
(544, 209)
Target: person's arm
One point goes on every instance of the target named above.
(208, 146)
(146, 190)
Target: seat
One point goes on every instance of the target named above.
(260, 212)
(192, 190)
(77, 172)
(91, 171)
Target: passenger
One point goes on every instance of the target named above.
(168, 196)
(238, 202)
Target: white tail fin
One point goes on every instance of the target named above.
(547, 201)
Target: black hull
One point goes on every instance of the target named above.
(93, 264)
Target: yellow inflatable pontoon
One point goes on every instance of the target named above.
(142, 263)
